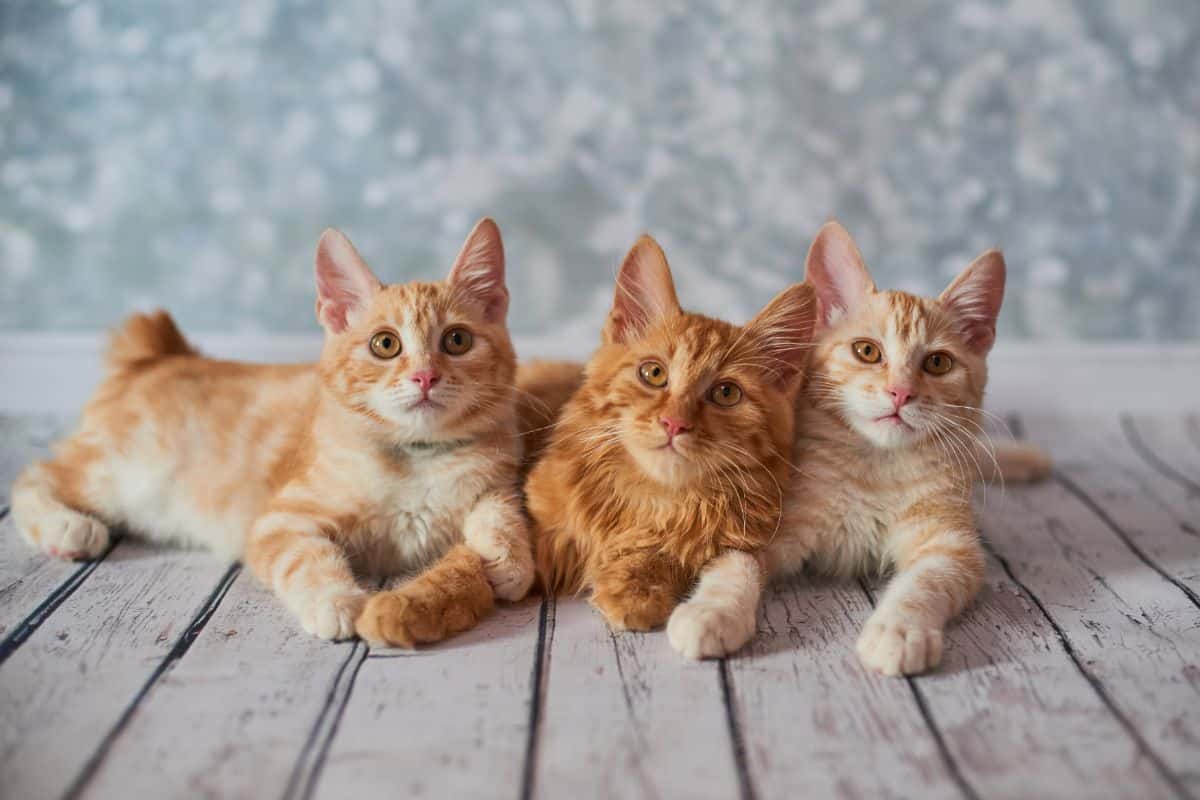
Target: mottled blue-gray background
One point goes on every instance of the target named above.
(189, 154)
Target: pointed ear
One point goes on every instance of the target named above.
(478, 272)
(645, 293)
(783, 331)
(974, 299)
(836, 270)
(345, 284)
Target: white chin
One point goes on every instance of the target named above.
(665, 466)
(886, 433)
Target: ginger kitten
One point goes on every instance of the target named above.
(673, 454)
(886, 457)
(396, 449)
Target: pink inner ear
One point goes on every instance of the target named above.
(836, 270)
(974, 300)
(645, 292)
(478, 272)
(345, 283)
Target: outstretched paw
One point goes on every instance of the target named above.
(707, 630)
(70, 535)
(332, 615)
(896, 645)
(510, 576)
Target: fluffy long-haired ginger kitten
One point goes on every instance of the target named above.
(886, 455)
(673, 454)
(396, 449)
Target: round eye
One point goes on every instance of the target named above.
(867, 351)
(653, 374)
(938, 363)
(385, 344)
(726, 393)
(457, 341)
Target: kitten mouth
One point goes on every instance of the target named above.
(894, 419)
(425, 403)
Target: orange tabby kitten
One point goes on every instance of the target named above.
(885, 460)
(389, 453)
(672, 454)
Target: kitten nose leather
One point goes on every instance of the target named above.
(675, 426)
(426, 378)
(900, 395)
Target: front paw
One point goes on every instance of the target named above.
(707, 630)
(640, 613)
(331, 615)
(70, 535)
(510, 576)
(893, 645)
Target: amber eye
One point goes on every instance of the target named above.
(385, 344)
(653, 374)
(726, 393)
(457, 341)
(938, 363)
(867, 351)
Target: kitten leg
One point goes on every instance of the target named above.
(638, 590)
(292, 554)
(937, 575)
(46, 522)
(722, 613)
(449, 597)
(496, 529)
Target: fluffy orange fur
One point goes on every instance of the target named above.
(368, 463)
(642, 485)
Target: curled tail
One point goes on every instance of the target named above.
(143, 338)
(1015, 462)
(448, 598)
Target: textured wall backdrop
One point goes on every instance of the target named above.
(188, 154)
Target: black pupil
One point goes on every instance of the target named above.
(386, 343)
(725, 390)
(866, 349)
(456, 337)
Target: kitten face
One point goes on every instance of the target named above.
(430, 361)
(898, 368)
(688, 397)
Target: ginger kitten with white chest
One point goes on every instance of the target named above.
(885, 458)
(394, 452)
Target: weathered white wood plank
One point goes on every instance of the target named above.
(24, 438)
(445, 721)
(815, 723)
(626, 716)
(1171, 444)
(1134, 633)
(251, 688)
(66, 687)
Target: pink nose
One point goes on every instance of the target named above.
(900, 395)
(675, 426)
(426, 378)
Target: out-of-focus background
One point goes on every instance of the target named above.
(189, 154)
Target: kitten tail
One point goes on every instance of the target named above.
(143, 338)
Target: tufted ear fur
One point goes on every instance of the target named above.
(974, 298)
(645, 293)
(345, 284)
(783, 331)
(478, 272)
(836, 270)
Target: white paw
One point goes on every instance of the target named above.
(332, 615)
(509, 576)
(896, 645)
(71, 535)
(706, 630)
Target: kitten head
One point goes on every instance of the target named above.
(898, 368)
(688, 397)
(425, 361)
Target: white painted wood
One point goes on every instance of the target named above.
(63, 690)
(230, 719)
(1134, 631)
(815, 723)
(625, 716)
(1174, 440)
(56, 371)
(444, 721)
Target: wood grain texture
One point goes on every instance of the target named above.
(1132, 633)
(1171, 444)
(625, 716)
(65, 688)
(249, 690)
(444, 721)
(814, 721)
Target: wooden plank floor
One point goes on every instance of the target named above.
(154, 672)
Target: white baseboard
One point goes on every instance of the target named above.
(54, 373)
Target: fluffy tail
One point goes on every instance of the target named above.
(543, 388)
(448, 598)
(1016, 462)
(146, 337)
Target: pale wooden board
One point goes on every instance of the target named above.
(626, 716)
(247, 693)
(1097, 461)
(440, 722)
(1172, 444)
(815, 723)
(65, 688)
(23, 439)
(1134, 632)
